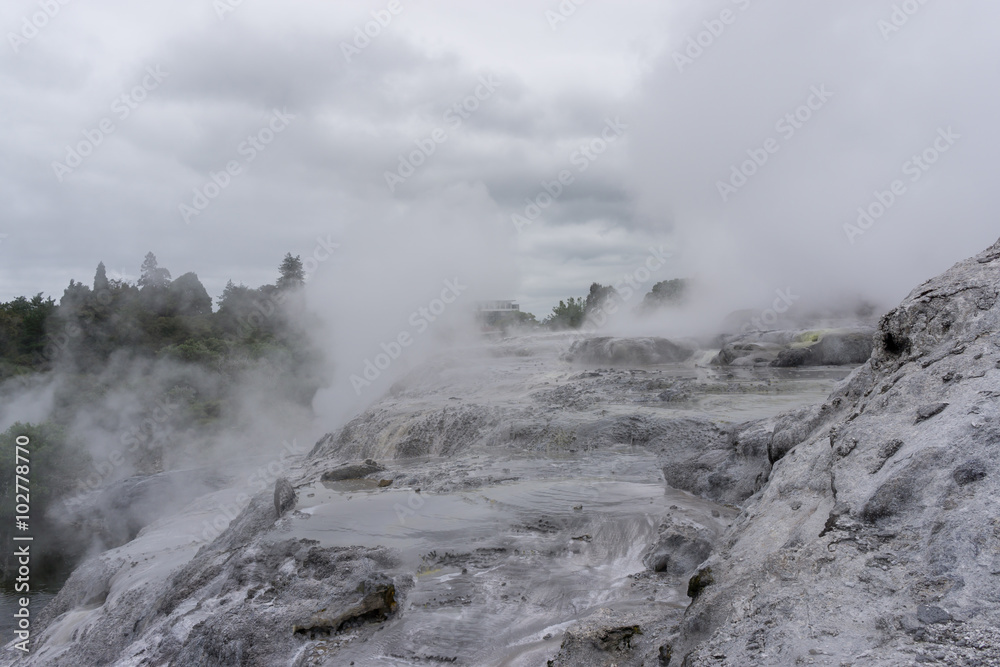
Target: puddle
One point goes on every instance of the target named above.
(501, 571)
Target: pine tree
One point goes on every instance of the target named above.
(291, 273)
(100, 278)
(152, 275)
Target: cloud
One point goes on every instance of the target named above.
(696, 121)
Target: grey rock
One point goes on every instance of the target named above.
(627, 351)
(840, 349)
(352, 471)
(679, 550)
(925, 412)
(800, 356)
(832, 349)
(928, 614)
(971, 471)
(377, 603)
(284, 496)
(895, 514)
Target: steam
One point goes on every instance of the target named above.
(393, 278)
(851, 107)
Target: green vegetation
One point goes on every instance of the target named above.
(604, 299)
(48, 470)
(666, 293)
(155, 318)
(567, 315)
(148, 371)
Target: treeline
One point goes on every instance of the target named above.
(156, 317)
(149, 371)
(603, 300)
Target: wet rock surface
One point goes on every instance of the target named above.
(628, 351)
(284, 496)
(790, 349)
(352, 471)
(888, 558)
(545, 511)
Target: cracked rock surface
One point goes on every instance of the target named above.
(876, 540)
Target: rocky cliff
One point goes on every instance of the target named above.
(876, 540)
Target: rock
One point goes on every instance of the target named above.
(843, 348)
(927, 411)
(679, 551)
(384, 482)
(792, 429)
(897, 500)
(971, 471)
(699, 582)
(599, 641)
(678, 392)
(832, 349)
(352, 471)
(627, 351)
(743, 353)
(723, 464)
(800, 356)
(377, 604)
(929, 614)
(284, 496)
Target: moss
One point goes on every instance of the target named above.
(700, 582)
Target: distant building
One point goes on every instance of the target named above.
(494, 316)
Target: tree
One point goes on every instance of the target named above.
(152, 274)
(291, 273)
(188, 296)
(100, 278)
(665, 293)
(567, 315)
(75, 295)
(597, 296)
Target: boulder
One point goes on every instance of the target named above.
(627, 351)
(284, 496)
(352, 471)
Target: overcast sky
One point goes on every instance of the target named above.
(644, 124)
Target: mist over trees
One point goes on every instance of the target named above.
(149, 372)
(574, 312)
